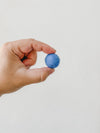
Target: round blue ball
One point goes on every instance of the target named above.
(52, 60)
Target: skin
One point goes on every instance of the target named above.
(15, 60)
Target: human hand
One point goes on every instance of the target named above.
(15, 60)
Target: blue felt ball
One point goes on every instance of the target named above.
(52, 60)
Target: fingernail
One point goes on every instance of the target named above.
(51, 71)
(54, 50)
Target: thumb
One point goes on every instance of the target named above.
(37, 75)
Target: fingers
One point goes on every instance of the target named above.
(36, 75)
(31, 59)
(25, 46)
(40, 46)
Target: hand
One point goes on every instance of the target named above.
(15, 60)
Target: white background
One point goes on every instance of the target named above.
(69, 100)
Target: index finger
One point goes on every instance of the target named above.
(27, 45)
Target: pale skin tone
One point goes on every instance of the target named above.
(16, 58)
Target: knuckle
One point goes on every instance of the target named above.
(31, 39)
(43, 77)
(6, 44)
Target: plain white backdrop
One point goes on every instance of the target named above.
(69, 100)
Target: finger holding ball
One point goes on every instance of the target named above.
(52, 60)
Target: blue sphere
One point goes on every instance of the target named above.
(52, 60)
